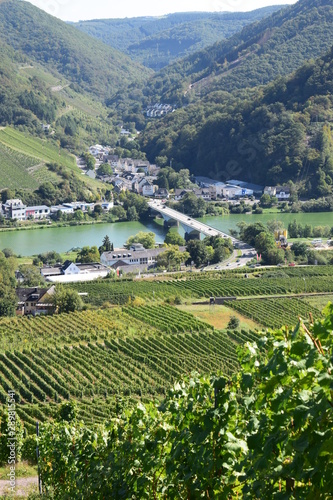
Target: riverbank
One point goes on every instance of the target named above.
(53, 225)
(63, 238)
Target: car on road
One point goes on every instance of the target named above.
(292, 264)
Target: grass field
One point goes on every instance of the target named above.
(218, 316)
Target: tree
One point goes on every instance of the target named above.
(132, 214)
(66, 300)
(233, 323)
(8, 252)
(89, 160)
(104, 169)
(249, 232)
(98, 210)
(78, 215)
(106, 246)
(172, 258)
(198, 252)
(274, 225)
(263, 242)
(51, 257)
(31, 275)
(146, 239)
(173, 238)
(88, 254)
(299, 249)
(119, 212)
(266, 201)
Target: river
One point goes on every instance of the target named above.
(62, 239)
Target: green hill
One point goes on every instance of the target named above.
(52, 73)
(262, 51)
(268, 135)
(32, 168)
(158, 41)
(63, 50)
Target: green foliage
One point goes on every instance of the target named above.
(254, 56)
(273, 312)
(156, 42)
(280, 132)
(173, 238)
(172, 258)
(211, 249)
(66, 300)
(146, 239)
(11, 433)
(67, 412)
(8, 297)
(49, 258)
(264, 432)
(70, 54)
(29, 449)
(88, 254)
(233, 323)
(104, 169)
(31, 275)
(106, 246)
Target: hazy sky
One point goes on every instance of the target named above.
(75, 10)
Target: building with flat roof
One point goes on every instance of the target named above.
(37, 212)
(69, 272)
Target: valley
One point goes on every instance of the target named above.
(166, 254)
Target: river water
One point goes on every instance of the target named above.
(62, 239)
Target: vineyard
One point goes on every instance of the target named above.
(118, 292)
(14, 169)
(270, 312)
(138, 348)
(138, 366)
(41, 150)
(106, 353)
(68, 328)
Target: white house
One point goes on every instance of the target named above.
(283, 192)
(14, 209)
(107, 205)
(71, 272)
(148, 189)
(70, 268)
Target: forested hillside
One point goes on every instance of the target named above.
(158, 41)
(65, 51)
(268, 135)
(275, 46)
(52, 74)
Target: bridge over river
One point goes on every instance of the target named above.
(194, 228)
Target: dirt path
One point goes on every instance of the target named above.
(23, 487)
